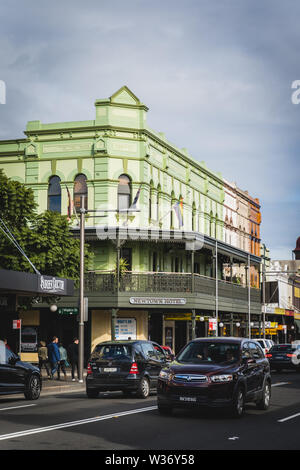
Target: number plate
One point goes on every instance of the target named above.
(191, 399)
(110, 369)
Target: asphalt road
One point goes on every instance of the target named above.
(111, 422)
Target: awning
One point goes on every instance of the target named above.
(18, 282)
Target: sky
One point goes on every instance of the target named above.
(216, 75)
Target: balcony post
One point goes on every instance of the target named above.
(192, 269)
(193, 324)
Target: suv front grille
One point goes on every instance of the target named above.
(190, 378)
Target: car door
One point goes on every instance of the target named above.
(249, 369)
(161, 359)
(11, 375)
(153, 364)
(258, 370)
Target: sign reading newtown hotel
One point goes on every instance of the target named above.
(52, 285)
(156, 301)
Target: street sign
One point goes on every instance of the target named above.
(68, 311)
(16, 324)
(212, 324)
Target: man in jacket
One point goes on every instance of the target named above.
(54, 356)
(73, 356)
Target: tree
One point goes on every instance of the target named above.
(45, 238)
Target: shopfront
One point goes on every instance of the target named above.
(19, 292)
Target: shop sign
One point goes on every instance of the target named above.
(125, 328)
(52, 285)
(156, 301)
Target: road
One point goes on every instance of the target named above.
(113, 422)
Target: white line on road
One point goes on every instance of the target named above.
(15, 407)
(278, 384)
(289, 417)
(74, 423)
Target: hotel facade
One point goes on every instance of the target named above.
(188, 240)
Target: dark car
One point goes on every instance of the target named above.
(17, 376)
(284, 356)
(216, 372)
(128, 366)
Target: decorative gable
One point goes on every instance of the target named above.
(125, 96)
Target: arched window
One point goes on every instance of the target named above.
(124, 192)
(80, 189)
(54, 194)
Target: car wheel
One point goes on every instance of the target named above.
(144, 388)
(164, 410)
(92, 393)
(264, 402)
(33, 388)
(238, 405)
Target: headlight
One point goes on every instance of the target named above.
(164, 374)
(221, 378)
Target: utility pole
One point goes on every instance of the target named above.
(217, 291)
(249, 298)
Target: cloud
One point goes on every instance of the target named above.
(216, 76)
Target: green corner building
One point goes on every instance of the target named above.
(171, 239)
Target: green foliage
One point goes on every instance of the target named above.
(45, 238)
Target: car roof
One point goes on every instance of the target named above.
(222, 339)
(125, 341)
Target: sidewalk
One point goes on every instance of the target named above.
(63, 385)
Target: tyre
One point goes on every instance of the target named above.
(264, 402)
(33, 388)
(238, 404)
(92, 393)
(144, 388)
(164, 410)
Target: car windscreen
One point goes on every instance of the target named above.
(117, 352)
(282, 348)
(198, 352)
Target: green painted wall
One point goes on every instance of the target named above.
(118, 141)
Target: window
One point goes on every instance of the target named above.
(124, 192)
(80, 189)
(255, 350)
(246, 351)
(148, 351)
(54, 194)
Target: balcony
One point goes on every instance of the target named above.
(197, 291)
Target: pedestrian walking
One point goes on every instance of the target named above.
(73, 357)
(63, 361)
(54, 356)
(43, 357)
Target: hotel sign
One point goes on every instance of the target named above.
(156, 301)
(52, 285)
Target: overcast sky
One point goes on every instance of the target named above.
(216, 75)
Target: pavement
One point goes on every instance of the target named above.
(54, 386)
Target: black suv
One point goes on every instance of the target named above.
(225, 372)
(129, 366)
(17, 376)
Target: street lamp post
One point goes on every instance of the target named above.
(81, 291)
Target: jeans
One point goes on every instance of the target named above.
(74, 365)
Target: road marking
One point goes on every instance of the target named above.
(234, 438)
(280, 383)
(289, 417)
(15, 407)
(73, 423)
